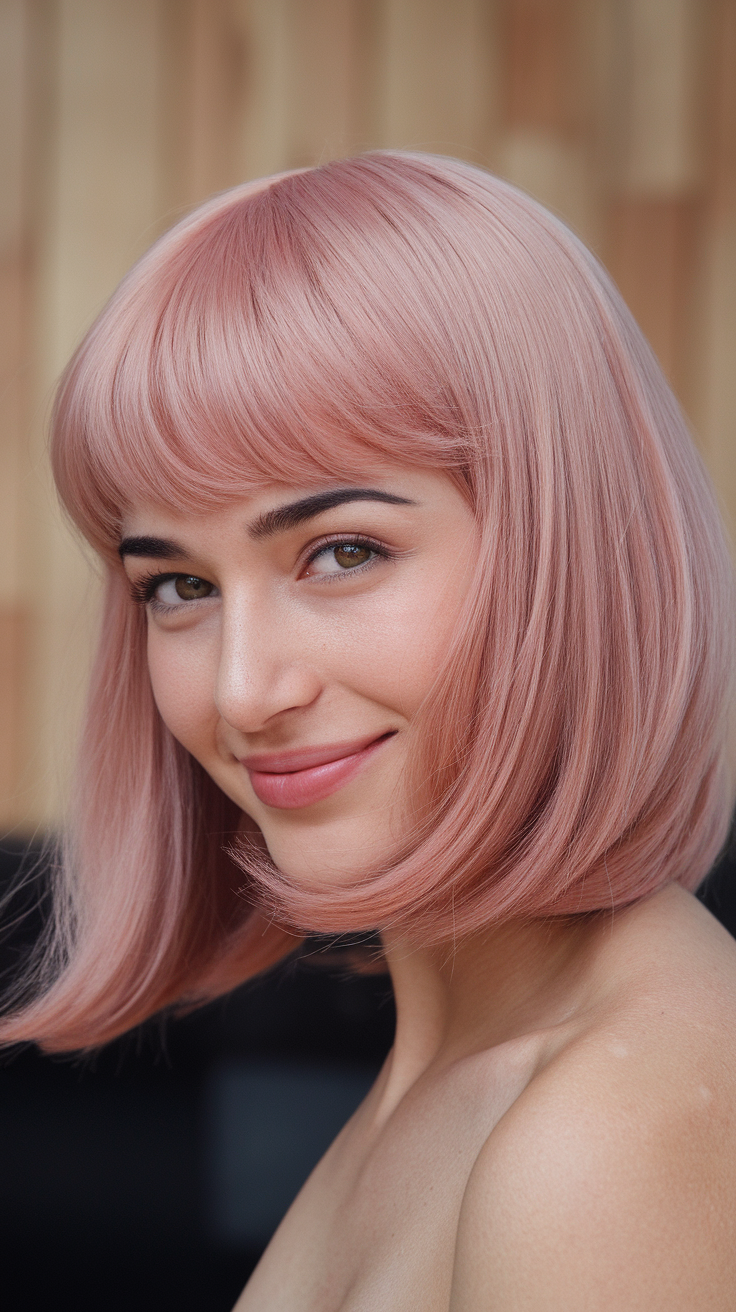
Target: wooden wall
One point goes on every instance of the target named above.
(117, 115)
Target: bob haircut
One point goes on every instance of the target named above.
(414, 308)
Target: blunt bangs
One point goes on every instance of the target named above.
(246, 349)
(572, 753)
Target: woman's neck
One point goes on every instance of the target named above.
(454, 1001)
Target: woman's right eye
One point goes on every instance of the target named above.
(181, 587)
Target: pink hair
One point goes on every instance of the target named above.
(416, 308)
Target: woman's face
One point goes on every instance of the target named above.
(292, 638)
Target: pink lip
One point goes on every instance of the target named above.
(291, 779)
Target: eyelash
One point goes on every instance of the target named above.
(143, 590)
(353, 540)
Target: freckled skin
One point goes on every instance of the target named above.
(553, 1129)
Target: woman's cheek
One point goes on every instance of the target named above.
(408, 646)
(183, 690)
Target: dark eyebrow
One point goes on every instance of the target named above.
(157, 548)
(271, 521)
(289, 516)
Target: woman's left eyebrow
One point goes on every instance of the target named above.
(282, 518)
(154, 548)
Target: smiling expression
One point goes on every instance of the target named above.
(293, 637)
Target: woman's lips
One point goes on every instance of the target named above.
(291, 779)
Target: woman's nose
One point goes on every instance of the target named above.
(262, 671)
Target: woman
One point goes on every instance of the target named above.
(419, 618)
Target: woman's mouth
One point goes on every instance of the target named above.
(291, 779)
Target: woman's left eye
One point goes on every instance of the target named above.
(339, 557)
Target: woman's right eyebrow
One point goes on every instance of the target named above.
(154, 548)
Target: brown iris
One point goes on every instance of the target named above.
(190, 588)
(350, 554)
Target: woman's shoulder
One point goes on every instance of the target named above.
(611, 1181)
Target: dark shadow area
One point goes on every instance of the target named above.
(718, 890)
(151, 1176)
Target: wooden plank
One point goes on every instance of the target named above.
(543, 146)
(216, 68)
(715, 411)
(13, 755)
(262, 143)
(440, 77)
(15, 298)
(662, 82)
(555, 172)
(653, 258)
(540, 82)
(323, 58)
(100, 211)
(14, 283)
(721, 157)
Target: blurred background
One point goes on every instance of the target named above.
(117, 116)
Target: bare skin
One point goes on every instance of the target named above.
(553, 1131)
(553, 1128)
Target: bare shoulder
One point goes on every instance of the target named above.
(611, 1182)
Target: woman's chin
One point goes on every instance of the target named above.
(328, 869)
(311, 861)
(340, 850)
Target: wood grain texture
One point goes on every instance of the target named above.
(715, 397)
(118, 115)
(14, 643)
(539, 68)
(720, 153)
(14, 285)
(652, 256)
(663, 44)
(439, 76)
